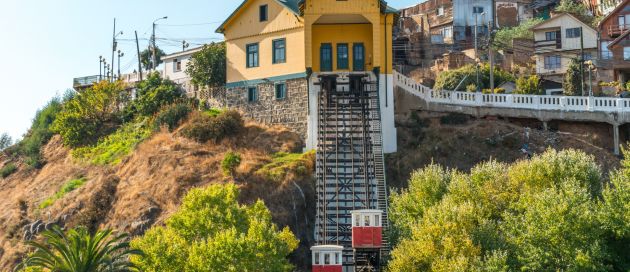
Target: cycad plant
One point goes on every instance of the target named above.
(80, 251)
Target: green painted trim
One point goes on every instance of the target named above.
(254, 82)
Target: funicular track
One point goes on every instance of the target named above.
(350, 167)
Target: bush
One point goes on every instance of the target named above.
(529, 85)
(230, 162)
(450, 79)
(203, 127)
(65, 189)
(454, 119)
(171, 116)
(572, 81)
(471, 88)
(151, 95)
(7, 170)
(91, 114)
(496, 91)
(284, 163)
(113, 148)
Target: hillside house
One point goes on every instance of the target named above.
(559, 40)
(614, 44)
(175, 68)
(278, 49)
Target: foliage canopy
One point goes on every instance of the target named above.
(450, 79)
(213, 232)
(208, 66)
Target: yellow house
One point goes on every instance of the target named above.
(278, 49)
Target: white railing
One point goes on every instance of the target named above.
(518, 101)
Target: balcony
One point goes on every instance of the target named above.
(81, 82)
(547, 45)
(616, 30)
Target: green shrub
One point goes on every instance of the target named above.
(496, 91)
(151, 95)
(454, 119)
(171, 116)
(91, 114)
(471, 88)
(65, 189)
(213, 112)
(113, 148)
(38, 135)
(529, 85)
(203, 127)
(7, 170)
(284, 163)
(230, 162)
(450, 79)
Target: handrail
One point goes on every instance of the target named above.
(517, 101)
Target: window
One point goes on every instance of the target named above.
(377, 220)
(478, 10)
(178, 65)
(357, 221)
(447, 32)
(252, 94)
(552, 62)
(281, 91)
(366, 221)
(550, 36)
(606, 54)
(316, 257)
(326, 57)
(573, 32)
(622, 22)
(252, 55)
(440, 11)
(342, 56)
(338, 255)
(326, 258)
(279, 51)
(263, 13)
(358, 59)
(626, 53)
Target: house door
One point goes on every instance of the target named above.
(326, 57)
(358, 57)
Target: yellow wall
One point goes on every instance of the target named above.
(371, 32)
(245, 28)
(349, 34)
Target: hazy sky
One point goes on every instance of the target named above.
(47, 43)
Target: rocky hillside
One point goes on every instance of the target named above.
(147, 186)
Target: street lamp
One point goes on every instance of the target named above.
(120, 54)
(100, 68)
(154, 64)
(591, 67)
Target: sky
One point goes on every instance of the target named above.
(45, 44)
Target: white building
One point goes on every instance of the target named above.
(559, 40)
(175, 68)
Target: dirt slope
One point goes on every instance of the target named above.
(147, 186)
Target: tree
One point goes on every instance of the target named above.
(91, 113)
(5, 141)
(213, 232)
(529, 85)
(550, 213)
(572, 82)
(505, 36)
(79, 251)
(577, 9)
(152, 94)
(208, 66)
(146, 58)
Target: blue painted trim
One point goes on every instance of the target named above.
(254, 82)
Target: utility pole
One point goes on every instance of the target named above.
(113, 42)
(139, 60)
(582, 60)
(100, 68)
(477, 52)
(120, 54)
(490, 53)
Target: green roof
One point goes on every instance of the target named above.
(292, 5)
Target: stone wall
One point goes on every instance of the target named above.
(291, 112)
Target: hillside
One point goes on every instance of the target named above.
(147, 186)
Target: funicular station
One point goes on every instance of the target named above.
(348, 55)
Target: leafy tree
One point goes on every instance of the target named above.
(146, 58)
(213, 232)
(208, 66)
(505, 36)
(572, 82)
(152, 94)
(450, 79)
(79, 251)
(5, 141)
(91, 113)
(550, 213)
(579, 10)
(529, 85)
